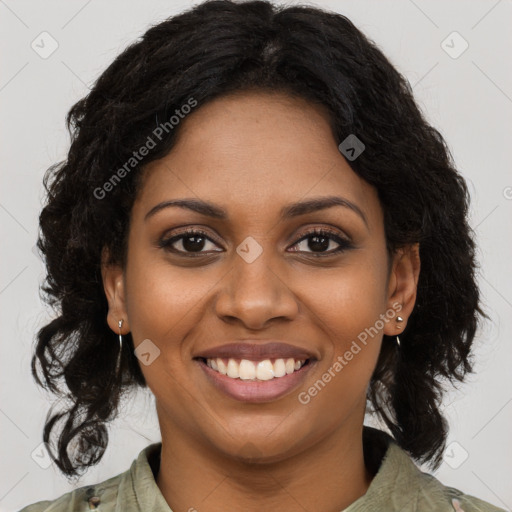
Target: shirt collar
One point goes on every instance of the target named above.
(397, 483)
(391, 466)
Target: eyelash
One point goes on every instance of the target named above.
(343, 242)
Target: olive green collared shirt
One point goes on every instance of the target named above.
(398, 486)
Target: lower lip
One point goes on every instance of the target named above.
(256, 391)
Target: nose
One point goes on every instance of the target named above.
(255, 293)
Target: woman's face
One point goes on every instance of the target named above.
(252, 277)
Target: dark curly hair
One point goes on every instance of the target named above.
(213, 49)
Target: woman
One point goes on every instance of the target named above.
(255, 221)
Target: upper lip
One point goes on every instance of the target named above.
(256, 351)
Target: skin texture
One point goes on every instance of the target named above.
(253, 153)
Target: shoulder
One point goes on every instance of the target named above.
(430, 494)
(125, 491)
(399, 484)
(462, 502)
(84, 499)
(436, 496)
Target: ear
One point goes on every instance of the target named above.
(403, 286)
(114, 286)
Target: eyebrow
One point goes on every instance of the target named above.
(289, 211)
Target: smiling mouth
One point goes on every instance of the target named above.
(259, 381)
(256, 371)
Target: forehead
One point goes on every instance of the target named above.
(253, 152)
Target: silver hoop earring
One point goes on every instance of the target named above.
(118, 363)
(398, 341)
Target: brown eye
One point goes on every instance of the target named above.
(192, 242)
(319, 240)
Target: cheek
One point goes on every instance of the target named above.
(348, 300)
(162, 301)
(164, 304)
(348, 305)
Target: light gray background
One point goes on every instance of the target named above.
(469, 99)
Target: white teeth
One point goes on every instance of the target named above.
(246, 370)
(255, 370)
(233, 369)
(279, 368)
(265, 370)
(222, 368)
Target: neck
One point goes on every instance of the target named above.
(328, 476)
